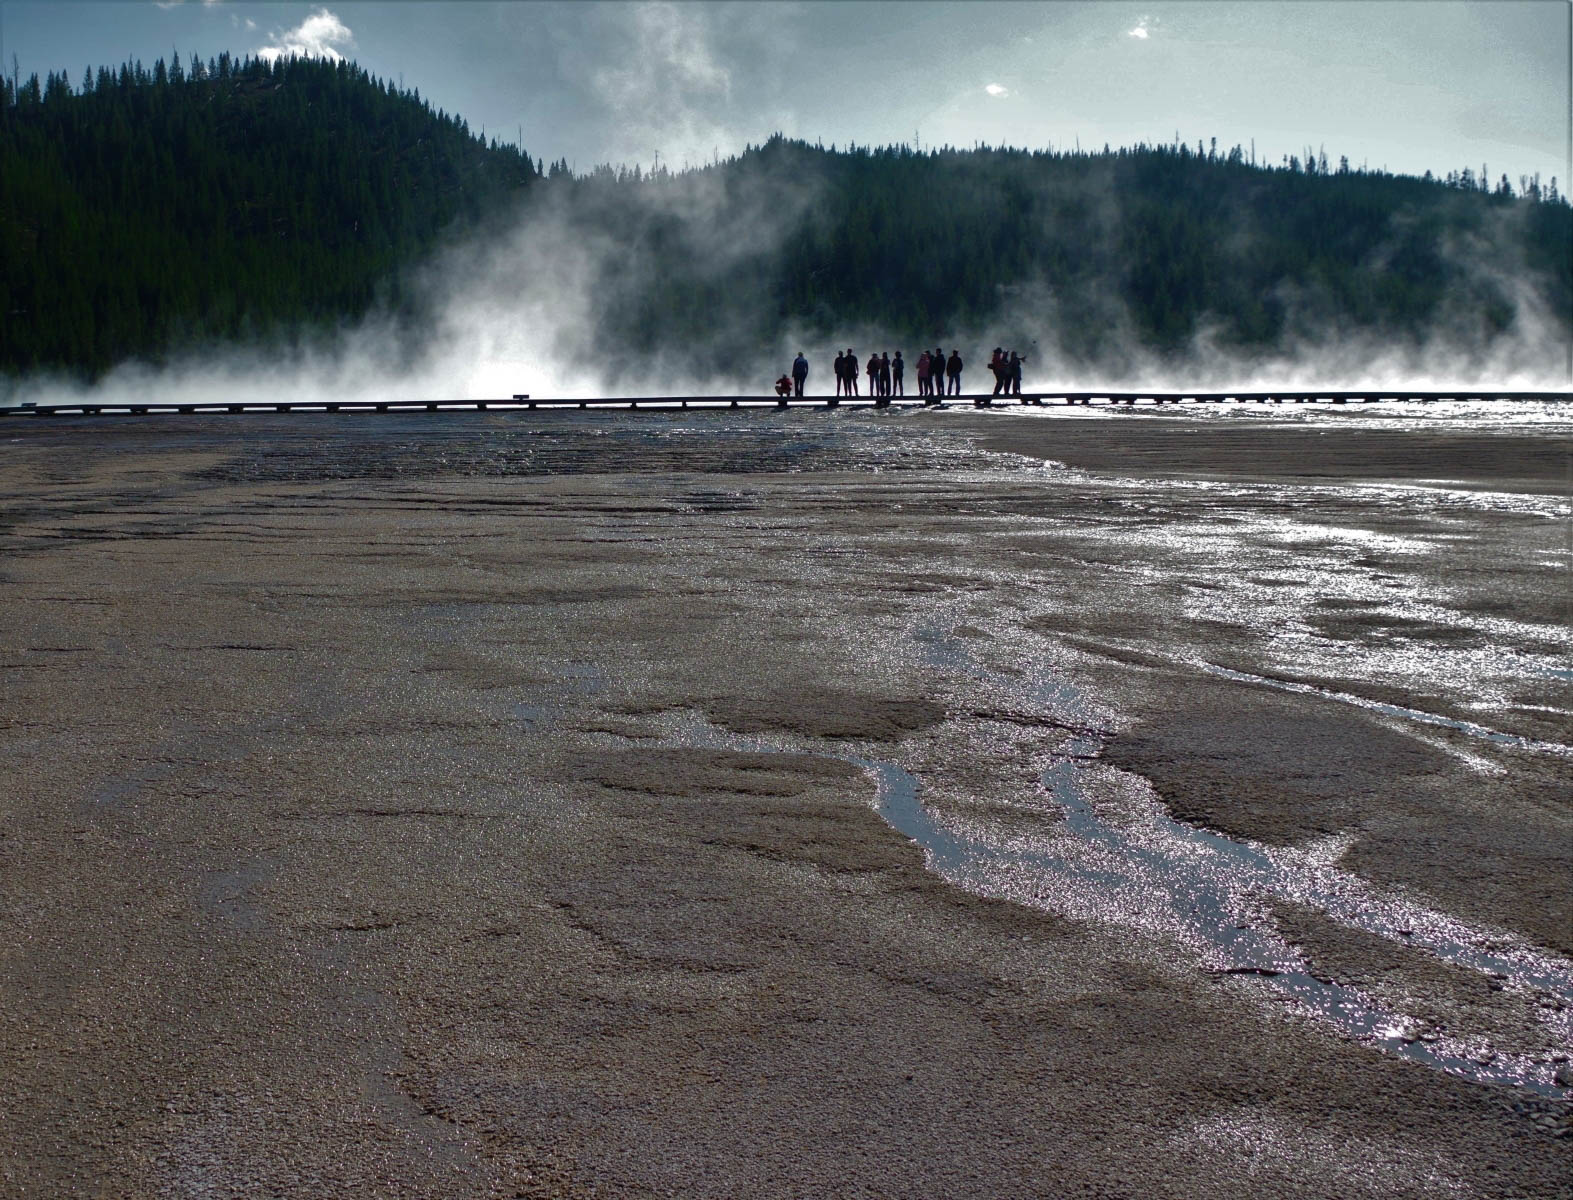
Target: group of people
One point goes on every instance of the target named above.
(1006, 366)
(937, 374)
(886, 375)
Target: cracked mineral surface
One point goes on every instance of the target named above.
(756, 804)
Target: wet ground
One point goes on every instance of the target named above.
(784, 804)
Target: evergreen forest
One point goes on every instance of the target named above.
(147, 212)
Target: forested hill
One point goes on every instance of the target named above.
(146, 212)
(142, 212)
(1150, 250)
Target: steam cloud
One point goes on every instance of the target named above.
(521, 308)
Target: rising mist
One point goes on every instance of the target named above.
(1159, 268)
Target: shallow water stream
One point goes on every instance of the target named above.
(1200, 889)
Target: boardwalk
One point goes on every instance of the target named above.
(977, 400)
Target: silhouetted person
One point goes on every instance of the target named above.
(841, 371)
(1015, 373)
(873, 374)
(923, 374)
(953, 374)
(799, 373)
(852, 372)
(884, 374)
(897, 368)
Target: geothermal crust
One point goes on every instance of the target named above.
(479, 805)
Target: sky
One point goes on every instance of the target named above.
(1411, 86)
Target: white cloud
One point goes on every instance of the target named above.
(318, 36)
(1141, 31)
(995, 89)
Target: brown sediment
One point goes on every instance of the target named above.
(815, 709)
(1514, 461)
(1272, 768)
(347, 850)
